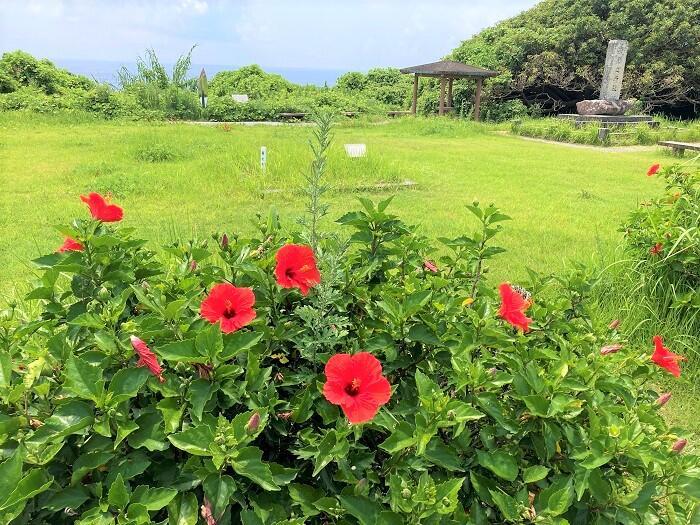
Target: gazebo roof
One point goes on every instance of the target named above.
(449, 68)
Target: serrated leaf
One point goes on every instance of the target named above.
(83, 379)
(194, 440)
(118, 495)
(500, 462)
(248, 463)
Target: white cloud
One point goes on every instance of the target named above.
(353, 34)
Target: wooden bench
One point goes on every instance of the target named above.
(679, 147)
(350, 113)
(296, 116)
(398, 113)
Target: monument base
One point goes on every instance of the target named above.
(610, 120)
(603, 107)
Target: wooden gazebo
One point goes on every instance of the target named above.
(448, 71)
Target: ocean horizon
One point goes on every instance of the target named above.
(106, 71)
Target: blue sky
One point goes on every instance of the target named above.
(331, 34)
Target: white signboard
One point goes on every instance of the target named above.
(356, 150)
(263, 158)
(241, 99)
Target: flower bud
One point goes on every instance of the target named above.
(663, 399)
(405, 493)
(614, 324)
(224, 241)
(679, 445)
(253, 423)
(193, 265)
(610, 349)
(430, 266)
(103, 293)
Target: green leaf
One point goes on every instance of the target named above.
(152, 498)
(506, 504)
(87, 320)
(194, 440)
(364, 509)
(536, 473)
(442, 455)
(5, 370)
(84, 379)
(126, 383)
(35, 482)
(172, 409)
(448, 490)
(421, 333)
(199, 392)
(87, 462)
(181, 352)
(401, 438)
(150, 433)
(124, 429)
(67, 498)
(219, 490)
(248, 463)
(69, 418)
(183, 510)
(239, 342)
(118, 495)
(305, 496)
(690, 485)
(10, 473)
(560, 500)
(500, 462)
(209, 342)
(537, 405)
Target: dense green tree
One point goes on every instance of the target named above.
(553, 54)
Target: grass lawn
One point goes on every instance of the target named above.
(566, 203)
(179, 180)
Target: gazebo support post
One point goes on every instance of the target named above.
(414, 107)
(477, 99)
(449, 95)
(441, 111)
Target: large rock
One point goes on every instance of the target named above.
(602, 107)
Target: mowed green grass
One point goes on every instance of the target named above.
(566, 203)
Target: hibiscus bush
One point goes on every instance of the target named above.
(368, 377)
(663, 236)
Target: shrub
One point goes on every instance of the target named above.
(236, 421)
(663, 238)
(249, 80)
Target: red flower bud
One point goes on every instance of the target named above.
(253, 423)
(679, 445)
(613, 325)
(224, 241)
(610, 349)
(193, 265)
(663, 399)
(206, 513)
(430, 266)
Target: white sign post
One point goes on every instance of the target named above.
(356, 150)
(263, 158)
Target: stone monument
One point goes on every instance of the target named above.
(609, 102)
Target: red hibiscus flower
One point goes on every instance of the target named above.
(229, 305)
(665, 358)
(513, 306)
(296, 268)
(147, 358)
(430, 266)
(653, 169)
(656, 249)
(101, 210)
(70, 245)
(355, 382)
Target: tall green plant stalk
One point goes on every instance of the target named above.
(315, 188)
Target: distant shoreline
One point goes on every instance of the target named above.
(106, 71)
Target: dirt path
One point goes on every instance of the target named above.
(603, 149)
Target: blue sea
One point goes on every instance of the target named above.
(106, 71)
